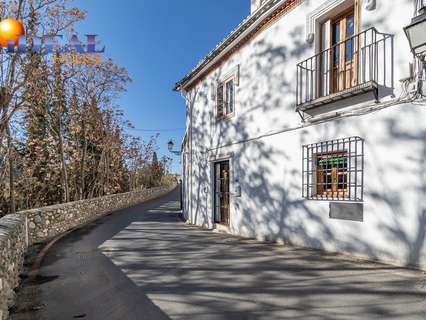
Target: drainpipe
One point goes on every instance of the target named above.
(185, 95)
(191, 159)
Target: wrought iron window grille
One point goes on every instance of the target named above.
(333, 170)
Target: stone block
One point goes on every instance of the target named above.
(347, 211)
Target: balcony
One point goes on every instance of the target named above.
(357, 69)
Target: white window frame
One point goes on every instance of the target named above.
(225, 114)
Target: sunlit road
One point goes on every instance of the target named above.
(145, 263)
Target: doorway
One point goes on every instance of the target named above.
(221, 192)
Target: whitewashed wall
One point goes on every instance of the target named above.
(269, 168)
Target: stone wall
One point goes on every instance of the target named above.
(47, 222)
(13, 243)
(27, 227)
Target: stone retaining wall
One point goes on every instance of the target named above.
(47, 222)
(19, 230)
(13, 244)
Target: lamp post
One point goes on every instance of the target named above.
(170, 146)
(416, 33)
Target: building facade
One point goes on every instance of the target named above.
(306, 126)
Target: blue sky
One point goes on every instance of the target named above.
(159, 41)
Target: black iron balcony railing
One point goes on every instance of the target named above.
(361, 63)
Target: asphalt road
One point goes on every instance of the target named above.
(145, 263)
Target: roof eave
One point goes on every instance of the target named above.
(227, 43)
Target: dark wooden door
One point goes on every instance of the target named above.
(221, 197)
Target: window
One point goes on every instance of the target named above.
(347, 62)
(333, 170)
(225, 98)
(332, 174)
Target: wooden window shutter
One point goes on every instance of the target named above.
(220, 101)
(320, 180)
(229, 96)
(326, 58)
(335, 179)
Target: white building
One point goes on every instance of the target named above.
(305, 126)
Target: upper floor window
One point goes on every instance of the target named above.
(339, 62)
(348, 62)
(226, 98)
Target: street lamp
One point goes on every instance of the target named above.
(416, 33)
(170, 146)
